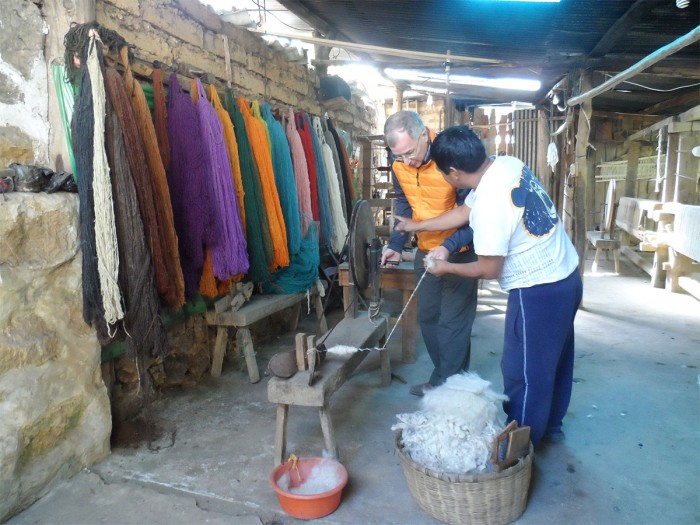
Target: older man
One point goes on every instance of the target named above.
(446, 305)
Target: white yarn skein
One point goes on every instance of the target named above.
(105, 226)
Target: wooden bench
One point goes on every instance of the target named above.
(642, 225)
(682, 267)
(258, 308)
(330, 376)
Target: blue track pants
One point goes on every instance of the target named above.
(538, 353)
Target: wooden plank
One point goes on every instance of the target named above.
(217, 359)
(300, 347)
(328, 432)
(245, 342)
(281, 433)
(259, 307)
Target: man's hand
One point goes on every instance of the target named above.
(439, 254)
(438, 267)
(390, 258)
(404, 224)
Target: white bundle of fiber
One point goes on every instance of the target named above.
(454, 430)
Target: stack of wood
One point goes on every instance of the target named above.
(240, 294)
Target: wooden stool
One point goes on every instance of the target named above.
(334, 371)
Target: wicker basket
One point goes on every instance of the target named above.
(476, 499)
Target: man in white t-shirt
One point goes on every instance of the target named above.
(520, 240)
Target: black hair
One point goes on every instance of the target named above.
(458, 147)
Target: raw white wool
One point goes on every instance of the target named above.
(323, 477)
(454, 430)
(343, 350)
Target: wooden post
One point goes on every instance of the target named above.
(398, 99)
(217, 359)
(59, 16)
(366, 181)
(581, 182)
(686, 173)
(543, 140)
(669, 186)
(281, 433)
(300, 351)
(245, 342)
(631, 173)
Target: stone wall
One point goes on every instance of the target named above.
(187, 33)
(23, 85)
(54, 408)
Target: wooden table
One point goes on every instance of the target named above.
(403, 278)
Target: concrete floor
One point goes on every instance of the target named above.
(628, 457)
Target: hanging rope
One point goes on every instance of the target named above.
(260, 147)
(284, 178)
(340, 228)
(301, 172)
(105, 228)
(260, 250)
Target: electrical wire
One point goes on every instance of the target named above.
(266, 11)
(656, 89)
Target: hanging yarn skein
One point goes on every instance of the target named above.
(301, 172)
(232, 147)
(260, 146)
(324, 206)
(142, 323)
(302, 271)
(83, 125)
(160, 117)
(168, 271)
(146, 167)
(305, 134)
(260, 250)
(336, 164)
(187, 179)
(344, 165)
(284, 178)
(227, 243)
(340, 228)
(105, 227)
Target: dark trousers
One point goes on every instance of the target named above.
(538, 353)
(446, 312)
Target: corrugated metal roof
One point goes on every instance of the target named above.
(545, 41)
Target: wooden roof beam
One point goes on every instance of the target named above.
(640, 66)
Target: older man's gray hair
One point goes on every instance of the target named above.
(402, 121)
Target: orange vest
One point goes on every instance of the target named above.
(429, 196)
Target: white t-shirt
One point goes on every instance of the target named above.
(512, 216)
